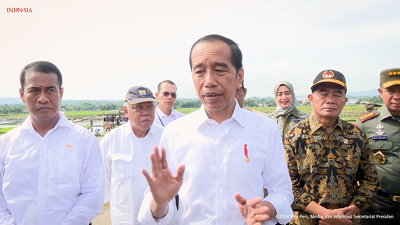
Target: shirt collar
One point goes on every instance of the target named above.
(238, 115)
(295, 112)
(316, 125)
(384, 113)
(161, 114)
(62, 122)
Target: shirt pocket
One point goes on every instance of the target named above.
(384, 147)
(121, 167)
(69, 175)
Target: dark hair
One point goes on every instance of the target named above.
(165, 81)
(40, 66)
(236, 54)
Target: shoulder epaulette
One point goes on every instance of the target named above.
(367, 116)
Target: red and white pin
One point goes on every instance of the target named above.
(246, 153)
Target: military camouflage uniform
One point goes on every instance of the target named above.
(325, 167)
(382, 130)
(287, 123)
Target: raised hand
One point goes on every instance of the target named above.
(252, 210)
(163, 185)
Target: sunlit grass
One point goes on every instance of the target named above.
(5, 130)
(186, 110)
(349, 113)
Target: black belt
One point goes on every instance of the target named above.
(392, 197)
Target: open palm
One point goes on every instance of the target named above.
(163, 185)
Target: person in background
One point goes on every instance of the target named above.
(166, 96)
(221, 153)
(286, 114)
(125, 152)
(329, 160)
(241, 94)
(382, 129)
(50, 169)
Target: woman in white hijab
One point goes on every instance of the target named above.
(286, 114)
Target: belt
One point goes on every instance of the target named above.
(393, 197)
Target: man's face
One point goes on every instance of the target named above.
(214, 77)
(165, 96)
(284, 97)
(328, 100)
(391, 98)
(42, 96)
(141, 117)
(240, 95)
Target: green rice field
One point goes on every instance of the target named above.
(349, 113)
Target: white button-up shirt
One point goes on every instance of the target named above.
(163, 120)
(216, 169)
(124, 156)
(55, 179)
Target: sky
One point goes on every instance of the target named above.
(104, 47)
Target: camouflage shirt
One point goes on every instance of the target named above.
(288, 122)
(325, 167)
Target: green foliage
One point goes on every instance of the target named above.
(82, 105)
(5, 130)
(255, 102)
(186, 110)
(89, 113)
(349, 112)
(80, 108)
(194, 103)
(13, 109)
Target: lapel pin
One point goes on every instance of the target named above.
(246, 153)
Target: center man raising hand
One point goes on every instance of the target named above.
(223, 155)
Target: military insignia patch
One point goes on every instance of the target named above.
(366, 117)
(379, 157)
(328, 74)
(380, 133)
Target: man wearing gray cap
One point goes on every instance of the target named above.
(126, 151)
(326, 157)
(382, 129)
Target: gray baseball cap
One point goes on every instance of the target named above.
(138, 94)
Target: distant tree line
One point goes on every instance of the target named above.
(13, 109)
(85, 105)
(187, 104)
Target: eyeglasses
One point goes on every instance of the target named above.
(140, 107)
(166, 94)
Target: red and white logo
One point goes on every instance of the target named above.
(328, 74)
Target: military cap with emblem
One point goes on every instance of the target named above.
(138, 94)
(329, 76)
(390, 77)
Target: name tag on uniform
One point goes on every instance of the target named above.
(380, 137)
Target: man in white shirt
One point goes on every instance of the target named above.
(228, 154)
(241, 94)
(166, 96)
(126, 151)
(50, 169)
